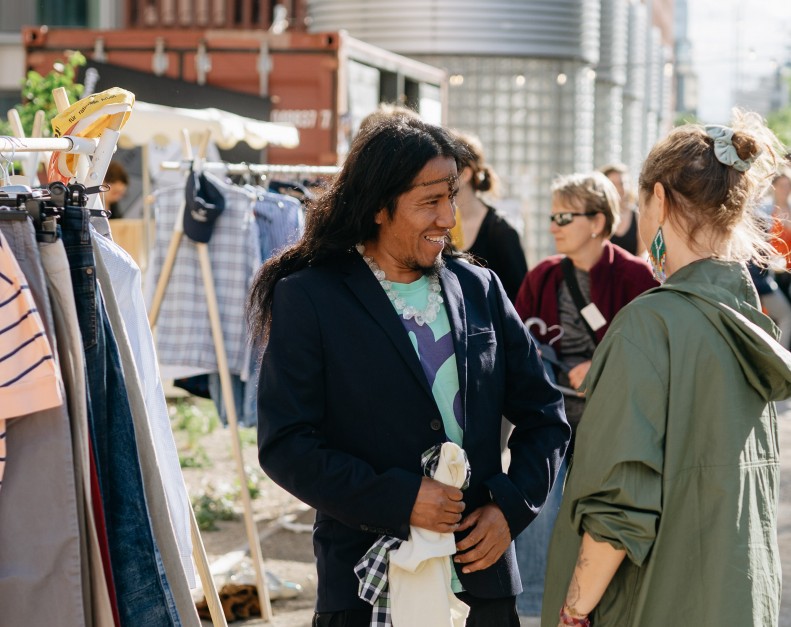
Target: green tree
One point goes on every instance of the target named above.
(37, 93)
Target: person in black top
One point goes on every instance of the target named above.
(486, 234)
(626, 234)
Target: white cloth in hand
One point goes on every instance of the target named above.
(419, 573)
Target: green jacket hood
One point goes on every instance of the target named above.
(724, 293)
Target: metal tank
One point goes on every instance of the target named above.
(634, 92)
(522, 78)
(610, 81)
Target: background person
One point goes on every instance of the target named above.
(669, 510)
(625, 235)
(584, 215)
(486, 234)
(118, 181)
(381, 346)
(779, 207)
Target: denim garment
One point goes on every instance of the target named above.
(532, 546)
(144, 596)
(245, 398)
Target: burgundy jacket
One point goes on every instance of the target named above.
(617, 278)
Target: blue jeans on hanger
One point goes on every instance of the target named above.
(144, 595)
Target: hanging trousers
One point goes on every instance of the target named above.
(143, 593)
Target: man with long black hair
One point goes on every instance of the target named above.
(381, 344)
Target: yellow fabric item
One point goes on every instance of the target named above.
(88, 117)
(456, 234)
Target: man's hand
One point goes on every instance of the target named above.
(438, 507)
(577, 374)
(488, 540)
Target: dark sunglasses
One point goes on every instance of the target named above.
(567, 217)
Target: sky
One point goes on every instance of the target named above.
(734, 42)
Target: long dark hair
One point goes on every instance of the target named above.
(383, 161)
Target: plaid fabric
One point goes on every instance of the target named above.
(430, 460)
(183, 330)
(372, 569)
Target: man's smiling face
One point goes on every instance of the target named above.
(410, 243)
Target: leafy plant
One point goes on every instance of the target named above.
(192, 419)
(248, 436)
(210, 508)
(254, 478)
(37, 92)
(195, 458)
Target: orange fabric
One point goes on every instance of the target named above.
(780, 238)
(28, 376)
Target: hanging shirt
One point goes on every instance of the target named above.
(28, 376)
(184, 342)
(279, 220)
(127, 287)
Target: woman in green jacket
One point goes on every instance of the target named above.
(669, 512)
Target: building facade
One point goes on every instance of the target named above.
(550, 87)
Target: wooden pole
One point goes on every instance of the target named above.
(173, 247)
(230, 412)
(204, 571)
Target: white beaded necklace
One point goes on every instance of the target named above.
(428, 315)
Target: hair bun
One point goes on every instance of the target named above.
(484, 183)
(746, 147)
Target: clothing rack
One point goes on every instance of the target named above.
(67, 143)
(253, 538)
(252, 168)
(198, 550)
(92, 173)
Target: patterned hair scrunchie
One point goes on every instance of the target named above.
(724, 149)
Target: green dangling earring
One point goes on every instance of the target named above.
(658, 256)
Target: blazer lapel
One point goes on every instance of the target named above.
(371, 295)
(454, 305)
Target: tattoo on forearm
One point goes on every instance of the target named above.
(574, 593)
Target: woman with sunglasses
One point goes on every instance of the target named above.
(585, 213)
(576, 294)
(669, 514)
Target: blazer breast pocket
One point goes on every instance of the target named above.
(481, 336)
(481, 349)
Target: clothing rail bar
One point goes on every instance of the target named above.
(252, 168)
(68, 143)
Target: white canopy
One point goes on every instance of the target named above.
(157, 122)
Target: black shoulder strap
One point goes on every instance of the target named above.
(570, 277)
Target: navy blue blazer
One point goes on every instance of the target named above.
(345, 412)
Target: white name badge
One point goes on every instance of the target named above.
(593, 317)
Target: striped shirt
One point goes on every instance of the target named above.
(28, 376)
